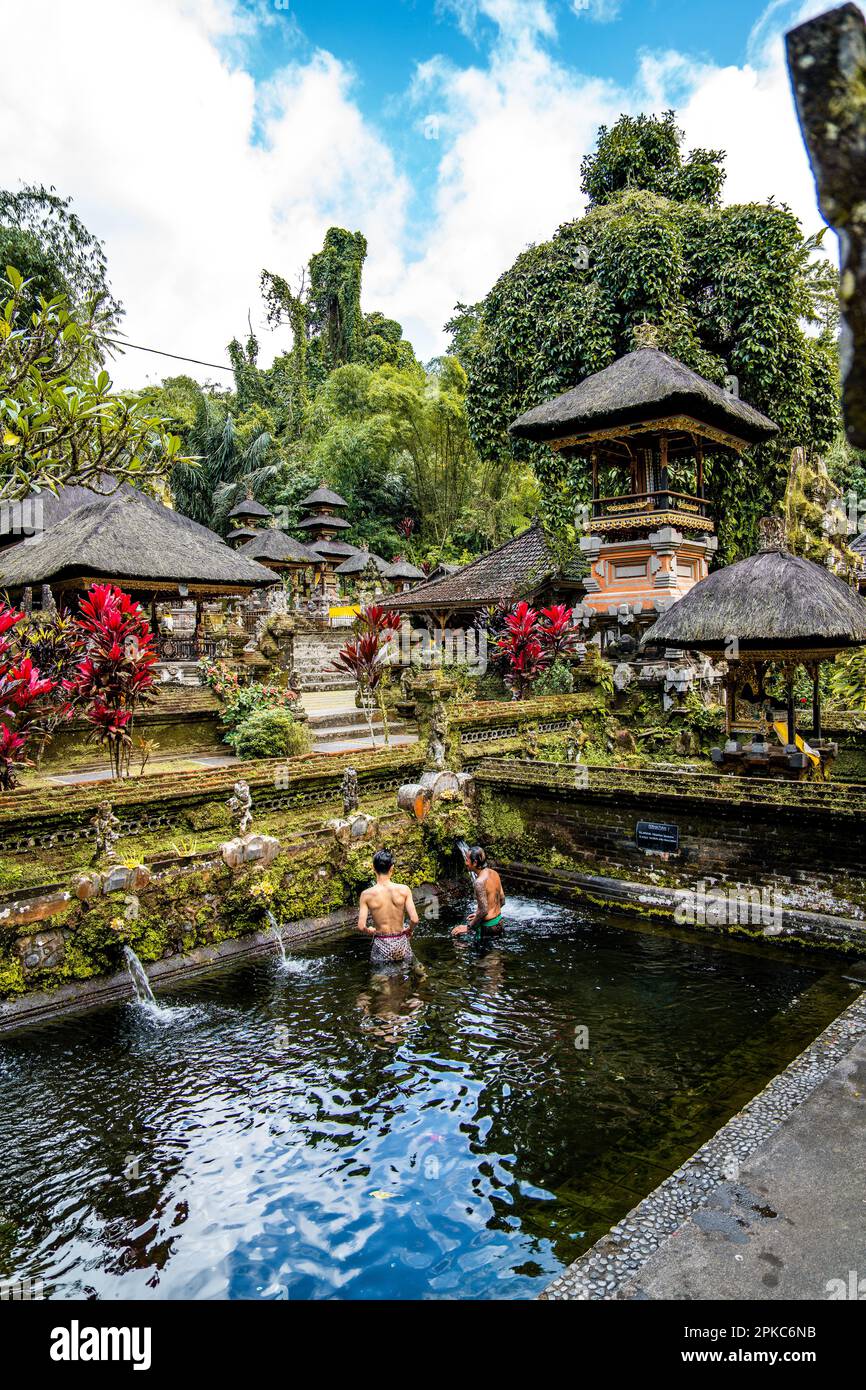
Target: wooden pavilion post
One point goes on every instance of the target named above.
(816, 701)
(730, 702)
(594, 460)
(789, 696)
(663, 463)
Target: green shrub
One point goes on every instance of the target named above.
(270, 733)
(556, 680)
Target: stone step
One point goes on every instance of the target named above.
(323, 682)
(338, 732)
(362, 744)
(325, 718)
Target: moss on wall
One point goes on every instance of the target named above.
(210, 903)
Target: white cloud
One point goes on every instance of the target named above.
(197, 178)
(137, 114)
(602, 10)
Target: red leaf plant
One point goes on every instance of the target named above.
(556, 631)
(23, 698)
(116, 675)
(520, 648)
(364, 658)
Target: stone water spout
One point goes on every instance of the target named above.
(275, 931)
(140, 983)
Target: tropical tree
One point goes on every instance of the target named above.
(520, 649)
(364, 658)
(228, 459)
(54, 642)
(60, 424)
(56, 254)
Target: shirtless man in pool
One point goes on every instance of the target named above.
(486, 920)
(389, 904)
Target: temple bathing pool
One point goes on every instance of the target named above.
(302, 1130)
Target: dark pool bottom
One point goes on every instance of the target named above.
(316, 1132)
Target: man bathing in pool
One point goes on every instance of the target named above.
(486, 920)
(389, 904)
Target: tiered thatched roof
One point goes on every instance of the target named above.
(773, 601)
(272, 546)
(645, 385)
(360, 561)
(324, 523)
(248, 506)
(135, 541)
(323, 497)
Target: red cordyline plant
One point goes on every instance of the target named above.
(531, 641)
(364, 658)
(556, 632)
(520, 649)
(116, 674)
(23, 698)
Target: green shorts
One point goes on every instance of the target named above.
(492, 927)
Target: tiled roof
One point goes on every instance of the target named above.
(510, 571)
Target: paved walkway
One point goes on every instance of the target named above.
(793, 1222)
(98, 774)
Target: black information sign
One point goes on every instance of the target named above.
(658, 835)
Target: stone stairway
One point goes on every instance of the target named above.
(313, 656)
(345, 730)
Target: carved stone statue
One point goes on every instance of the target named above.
(577, 739)
(349, 790)
(241, 806)
(437, 738)
(530, 742)
(107, 828)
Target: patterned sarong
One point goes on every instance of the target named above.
(392, 950)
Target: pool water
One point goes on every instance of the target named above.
(317, 1132)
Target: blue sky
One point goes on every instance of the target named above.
(224, 136)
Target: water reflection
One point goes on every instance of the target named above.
(330, 1132)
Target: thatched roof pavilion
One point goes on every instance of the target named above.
(773, 610)
(323, 497)
(642, 393)
(774, 603)
(645, 426)
(249, 509)
(360, 561)
(132, 540)
(404, 569)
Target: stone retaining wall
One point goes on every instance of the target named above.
(805, 843)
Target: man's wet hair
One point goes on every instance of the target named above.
(477, 857)
(383, 860)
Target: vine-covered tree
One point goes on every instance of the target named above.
(728, 290)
